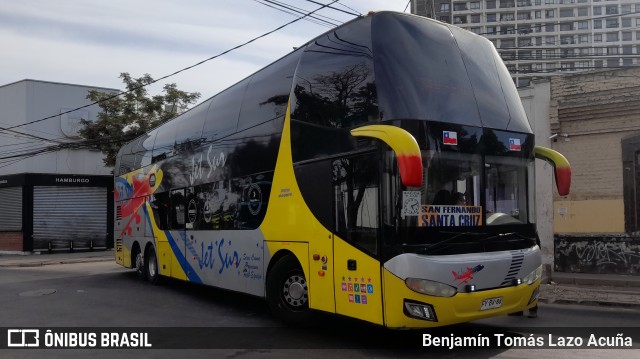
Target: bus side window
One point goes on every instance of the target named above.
(355, 183)
(160, 207)
(177, 211)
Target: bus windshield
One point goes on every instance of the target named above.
(485, 193)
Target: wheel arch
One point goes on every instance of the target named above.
(276, 258)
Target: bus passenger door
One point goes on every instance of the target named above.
(356, 246)
(177, 220)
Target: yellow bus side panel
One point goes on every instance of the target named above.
(120, 251)
(164, 255)
(358, 292)
(168, 263)
(462, 307)
(288, 219)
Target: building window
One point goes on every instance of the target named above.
(476, 30)
(597, 10)
(566, 12)
(566, 26)
(550, 27)
(612, 9)
(508, 55)
(475, 19)
(506, 4)
(491, 4)
(613, 63)
(627, 62)
(549, 14)
(491, 30)
(538, 14)
(507, 43)
(524, 16)
(597, 63)
(446, 19)
(599, 51)
(566, 40)
(583, 25)
(612, 36)
(612, 51)
(491, 17)
(583, 39)
(508, 16)
(627, 36)
(460, 7)
(597, 24)
(550, 66)
(444, 7)
(626, 22)
(474, 5)
(625, 9)
(597, 38)
(612, 23)
(460, 19)
(583, 11)
(550, 40)
(567, 66)
(627, 50)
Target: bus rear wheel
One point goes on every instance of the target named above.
(287, 291)
(151, 266)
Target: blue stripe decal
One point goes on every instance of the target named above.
(186, 267)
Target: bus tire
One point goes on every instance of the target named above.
(287, 291)
(151, 266)
(139, 263)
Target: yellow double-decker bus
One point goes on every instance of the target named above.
(383, 171)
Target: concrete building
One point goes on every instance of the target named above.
(52, 198)
(594, 120)
(538, 38)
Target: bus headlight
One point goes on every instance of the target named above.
(533, 276)
(430, 287)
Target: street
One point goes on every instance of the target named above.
(105, 295)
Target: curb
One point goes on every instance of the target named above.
(590, 295)
(22, 264)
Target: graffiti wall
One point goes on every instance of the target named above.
(613, 254)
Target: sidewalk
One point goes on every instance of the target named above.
(564, 288)
(37, 260)
(591, 289)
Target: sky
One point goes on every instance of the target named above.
(90, 42)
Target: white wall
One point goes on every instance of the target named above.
(535, 100)
(30, 100)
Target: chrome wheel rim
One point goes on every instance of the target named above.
(295, 292)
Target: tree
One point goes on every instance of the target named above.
(131, 114)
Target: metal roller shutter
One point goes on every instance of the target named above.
(11, 209)
(65, 214)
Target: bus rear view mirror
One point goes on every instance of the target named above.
(405, 147)
(562, 168)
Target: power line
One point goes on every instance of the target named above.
(183, 69)
(334, 8)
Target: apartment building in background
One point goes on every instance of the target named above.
(540, 38)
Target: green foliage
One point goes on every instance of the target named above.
(131, 114)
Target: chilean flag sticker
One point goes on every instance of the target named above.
(514, 144)
(450, 138)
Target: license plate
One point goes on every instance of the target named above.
(491, 303)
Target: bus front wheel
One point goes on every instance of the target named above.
(287, 291)
(139, 266)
